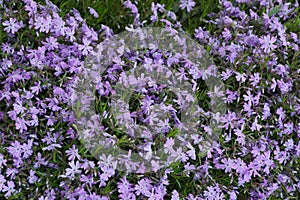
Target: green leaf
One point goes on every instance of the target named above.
(274, 11)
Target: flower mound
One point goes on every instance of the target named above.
(254, 45)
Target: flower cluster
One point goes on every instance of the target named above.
(255, 48)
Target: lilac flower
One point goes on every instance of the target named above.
(11, 172)
(15, 149)
(87, 180)
(175, 195)
(9, 189)
(168, 146)
(107, 173)
(128, 195)
(240, 136)
(12, 26)
(229, 120)
(192, 197)
(289, 128)
(281, 113)
(191, 152)
(255, 79)
(43, 24)
(32, 178)
(27, 149)
(266, 111)
(18, 108)
(7, 48)
(227, 165)
(37, 80)
(124, 186)
(85, 48)
(216, 92)
(232, 195)
(188, 4)
(73, 153)
(231, 96)
(31, 7)
(143, 186)
(70, 34)
(267, 43)
(59, 24)
(131, 6)
(255, 125)
(213, 193)
(2, 182)
(51, 43)
(244, 178)
(226, 34)
(93, 12)
(39, 161)
(75, 169)
(240, 77)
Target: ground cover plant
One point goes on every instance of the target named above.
(255, 48)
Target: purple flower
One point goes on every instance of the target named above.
(229, 120)
(289, 128)
(232, 195)
(43, 24)
(254, 79)
(15, 149)
(32, 178)
(175, 195)
(131, 6)
(85, 48)
(39, 161)
(267, 43)
(213, 193)
(93, 12)
(143, 186)
(59, 26)
(12, 26)
(51, 43)
(75, 169)
(73, 153)
(2, 182)
(9, 189)
(27, 149)
(124, 186)
(7, 48)
(255, 125)
(188, 4)
(107, 173)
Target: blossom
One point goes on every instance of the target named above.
(143, 186)
(175, 195)
(60, 26)
(12, 26)
(9, 189)
(213, 193)
(43, 24)
(2, 182)
(51, 43)
(267, 43)
(7, 48)
(255, 125)
(73, 153)
(107, 173)
(32, 178)
(258, 135)
(188, 4)
(124, 186)
(75, 169)
(85, 48)
(93, 12)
